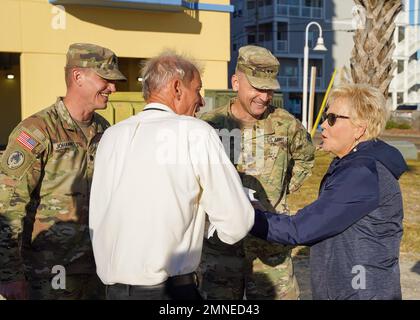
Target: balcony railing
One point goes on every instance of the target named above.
(410, 44)
(266, 44)
(291, 11)
(312, 12)
(289, 82)
(402, 18)
(263, 12)
(297, 11)
(282, 46)
(295, 83)
(285, 10)
(412, 74)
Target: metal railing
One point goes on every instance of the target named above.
(290, 82)
(410, 44)
(295, 82)
(263, 12)
(297, 11)
(412, 74)
(282, 46)
(312, 12)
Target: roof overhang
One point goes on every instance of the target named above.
(155, 5)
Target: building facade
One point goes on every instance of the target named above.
(35, 35)
(405, 87)
(279, 25)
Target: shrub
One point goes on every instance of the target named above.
(391, 124)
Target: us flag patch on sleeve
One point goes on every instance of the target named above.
(26, 141)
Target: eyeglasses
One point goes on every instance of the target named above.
(332, 118)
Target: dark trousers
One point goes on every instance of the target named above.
(184, 287)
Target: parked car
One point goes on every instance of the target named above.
(408, 107)
(406, 111)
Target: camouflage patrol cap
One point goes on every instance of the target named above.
(101, 60)
(259, 66)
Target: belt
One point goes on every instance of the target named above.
(174, 281)
(182, 280)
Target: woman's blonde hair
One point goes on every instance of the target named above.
(367, 106)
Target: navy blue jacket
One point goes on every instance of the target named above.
(354, 228)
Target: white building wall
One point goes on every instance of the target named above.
(405, 87)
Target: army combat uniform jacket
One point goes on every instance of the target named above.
(45, 179)
(273, 157)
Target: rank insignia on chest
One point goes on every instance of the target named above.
(26, 141)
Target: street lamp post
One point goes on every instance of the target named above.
(319, 47)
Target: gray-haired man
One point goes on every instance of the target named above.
(156, 175)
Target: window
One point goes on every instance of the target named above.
(311, 39)
(313, 3)
(400, 66)
(251, 38)
(288, 67)
(400, 97)
(289, 2)
(318, 64)
(282, 31)
(237, 13)
(290, 71)
(401, 33)
(250, 5)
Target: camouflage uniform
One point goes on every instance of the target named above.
(288, 159)
(45, 178)
(262, 269)
(45, 196)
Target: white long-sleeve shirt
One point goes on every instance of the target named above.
(156, 175)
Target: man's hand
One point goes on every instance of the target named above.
(14, 290)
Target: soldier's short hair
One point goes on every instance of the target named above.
(160, 70)
(367, 105)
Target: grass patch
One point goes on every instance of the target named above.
(410, 188)
(396, 125)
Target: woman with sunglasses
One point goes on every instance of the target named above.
(354, 228)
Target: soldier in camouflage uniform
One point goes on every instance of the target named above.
(45, 178)
(274, 155)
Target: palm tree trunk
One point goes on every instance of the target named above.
(371, 59)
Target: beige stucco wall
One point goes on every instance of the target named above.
(30, 27)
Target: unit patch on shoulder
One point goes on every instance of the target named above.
(15, 160)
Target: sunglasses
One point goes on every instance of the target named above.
(332, 118)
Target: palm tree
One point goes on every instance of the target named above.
(371, 59)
